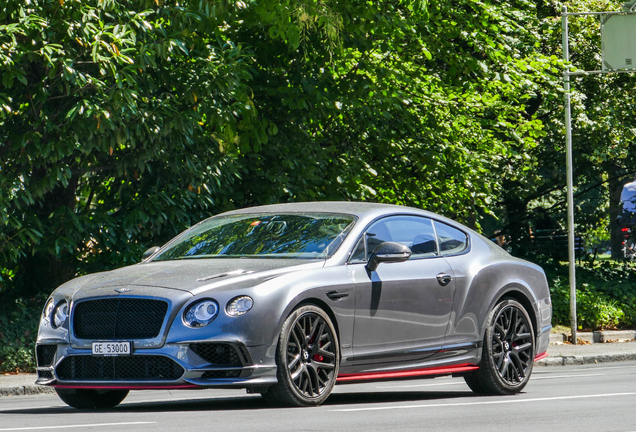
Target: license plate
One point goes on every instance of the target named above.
(111, 348)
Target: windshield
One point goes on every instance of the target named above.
(299, 235)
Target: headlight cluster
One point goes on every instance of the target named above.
(239, 305)
(60, 313)
(48, 309)
(203, 312)
(56, 314)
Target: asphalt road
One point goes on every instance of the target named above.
(572, 398)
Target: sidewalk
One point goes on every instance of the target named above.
(558, 355)
(21, 385)
(562, 354)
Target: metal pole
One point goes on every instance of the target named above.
(568, 164)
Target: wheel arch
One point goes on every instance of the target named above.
(522, 298)
(313, 301)
(307, 301)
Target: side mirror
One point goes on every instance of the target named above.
(388, 252)
(150, 252)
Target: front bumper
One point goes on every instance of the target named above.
(175, 365)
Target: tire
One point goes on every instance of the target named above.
(507, 353)
(308, 359)
(91, 399)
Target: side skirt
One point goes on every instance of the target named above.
(405, 374)
(432, 372)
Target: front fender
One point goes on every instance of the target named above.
(274, 300)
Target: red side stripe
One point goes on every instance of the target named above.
(466, 367)
(541, 356)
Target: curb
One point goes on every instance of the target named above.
(26, 390)
(586, 359)
(595, 337)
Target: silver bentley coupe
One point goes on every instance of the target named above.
(288, 300)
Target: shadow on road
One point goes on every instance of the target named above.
(250, 402)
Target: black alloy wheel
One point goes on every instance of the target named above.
(308, 359)
(508, 351)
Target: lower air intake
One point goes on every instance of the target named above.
(221, 374)
(45, 375)
(132, 368)
(45, 354)
(217, 353)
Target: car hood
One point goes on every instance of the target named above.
(189, 275)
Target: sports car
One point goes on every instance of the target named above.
(289, 300)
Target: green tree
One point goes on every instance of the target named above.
(124, 122)
(112, 114)
(602, 132)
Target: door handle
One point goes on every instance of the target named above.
(444, 279)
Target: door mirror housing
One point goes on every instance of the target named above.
(150, 252)
(388, 252)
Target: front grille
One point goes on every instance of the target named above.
(119, 318)
(45, 354)
(221, 374)
(217, 353)
(132, 368)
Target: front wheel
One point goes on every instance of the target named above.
(91, 399)
(507, 353)
(308, 357)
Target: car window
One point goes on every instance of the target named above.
(451, 240)
(413, 231)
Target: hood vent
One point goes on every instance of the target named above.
(220, 275)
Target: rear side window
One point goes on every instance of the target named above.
(451, 240)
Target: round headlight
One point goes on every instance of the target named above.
(60, 313)
(239, 305)
(48, 310)
(201, 314)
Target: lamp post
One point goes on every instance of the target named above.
(570, 181)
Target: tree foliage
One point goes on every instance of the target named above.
(602, 136)
(111, 123)
(124, 122)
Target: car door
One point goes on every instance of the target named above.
(402, 309)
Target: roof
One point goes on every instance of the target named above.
(355, 208)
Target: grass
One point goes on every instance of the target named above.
(560, 329)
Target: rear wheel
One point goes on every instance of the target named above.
(508, 351)
(308, 359)
(91, 399)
